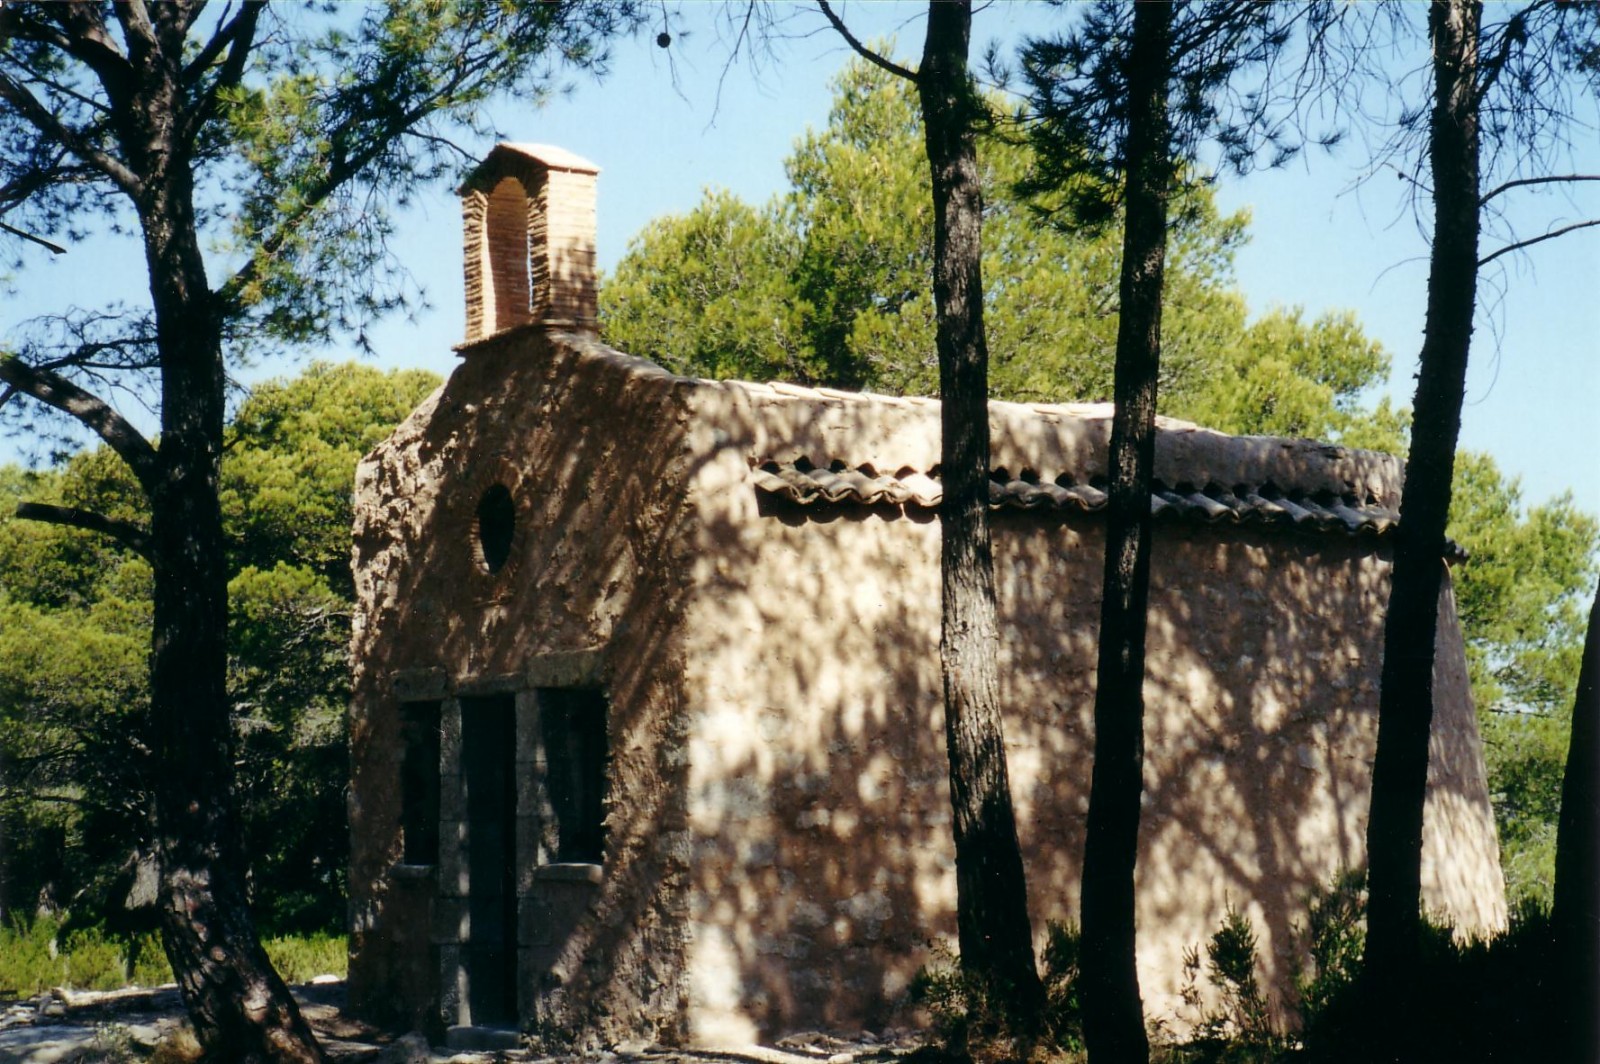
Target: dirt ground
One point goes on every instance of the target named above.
(138, 1024)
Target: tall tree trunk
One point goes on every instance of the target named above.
(1575, 914)
(240, 1008)
(992, 900)
(1405, 708)
(1113, 1011)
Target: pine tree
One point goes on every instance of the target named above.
(147, 116)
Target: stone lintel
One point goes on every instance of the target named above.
(420, 685)
(566, 668)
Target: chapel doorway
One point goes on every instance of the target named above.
(488, 754)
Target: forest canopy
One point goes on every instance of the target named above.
(74, 634)
(828, 284)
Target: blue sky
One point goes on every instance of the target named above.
(1321, 237)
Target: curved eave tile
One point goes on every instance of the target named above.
(1243, 505)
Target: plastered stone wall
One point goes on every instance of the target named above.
(590, 445)
(818, 802)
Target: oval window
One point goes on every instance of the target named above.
(497, 524)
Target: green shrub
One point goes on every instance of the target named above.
(29, 962)
(967, 1020)
(34, 958)
(1335, 936)
(148, 962)
(301, 958)
(1063, 1017)
(93, 961)
(1237, 1028)
(974, 1020)
(1475, 1001)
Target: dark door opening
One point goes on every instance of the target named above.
(488, 751)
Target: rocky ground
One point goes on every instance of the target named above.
(138, 1024)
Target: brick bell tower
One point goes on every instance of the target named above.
(528, 219)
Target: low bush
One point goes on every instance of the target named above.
(301, 958)
(29, 960)
(35, 957)
(1233, 1024)
(1063, 1019)
(91, 961)
(976, 1021)
(1475, 1000)
(147, 962)
(1329, 965)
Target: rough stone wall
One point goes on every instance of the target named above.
(590, 448)
(818, 800)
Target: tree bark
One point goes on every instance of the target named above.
(1113, 1010)
(240, 1008)
(995, 933)
(1575, 913)
(1405, 708)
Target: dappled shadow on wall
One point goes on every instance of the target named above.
(820, 798)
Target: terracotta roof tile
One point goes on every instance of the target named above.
(1262, 505)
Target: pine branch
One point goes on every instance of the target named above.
(344, 167)
(341, 171)
(52, 389)
(128, 535)
(172, 18)
(67, 91)
(136, 26)
(1512, 35)
(1520, 244)
(860, 49)
(37, 115)
(41, 241)
(15, 26)
(1552, 179)
(76, 801)
(83, 36)
(42, 176)
(238, 37)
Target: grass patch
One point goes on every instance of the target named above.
(301, 958)
(29, 962)
(35, 957)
